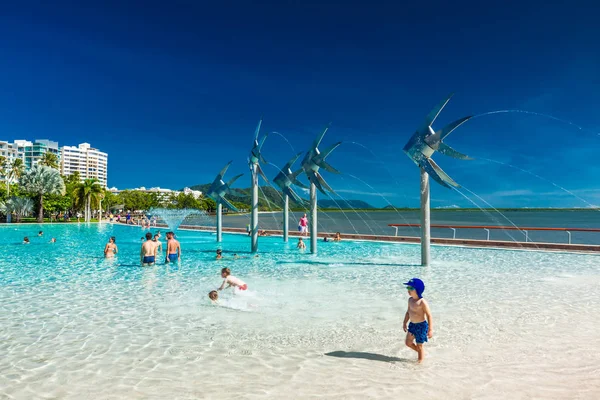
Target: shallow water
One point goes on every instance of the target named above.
(507, 324)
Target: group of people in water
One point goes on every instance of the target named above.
(150, 249)
(40, 234)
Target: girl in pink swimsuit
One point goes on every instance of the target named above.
(231, 280)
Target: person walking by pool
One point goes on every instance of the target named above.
(173, 248)
(303, 225)
(301, 244)
(419, 315)
(231, 280)
(128, 218)
(148, 251)
(111, 248)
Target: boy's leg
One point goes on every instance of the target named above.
(410, 339)
(420, 351)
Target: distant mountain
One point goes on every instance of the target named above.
(270, 199)
(345, 204)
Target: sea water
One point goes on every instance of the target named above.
(506, 324)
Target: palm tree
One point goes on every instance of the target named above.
(88, 193)
(41, 180)
(21, 206)
(13, 172)
(49, 160)
(3, 165)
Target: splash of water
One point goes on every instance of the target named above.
(490, 214)
(412, 228)
(592, 206)
(175, 217)
(564, 121)
(288, 142)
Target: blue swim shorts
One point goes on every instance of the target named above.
(173, 257)
(148, 260)
(419, 331)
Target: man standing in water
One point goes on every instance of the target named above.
(148, 251)
(173, 248)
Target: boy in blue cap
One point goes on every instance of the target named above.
(419, 328)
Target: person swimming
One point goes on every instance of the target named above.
(301, 244)
(231, 280)
(219, 254)
(26, 240)
(213, 295)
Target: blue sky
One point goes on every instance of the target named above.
(172, 91)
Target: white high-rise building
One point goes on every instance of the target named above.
(10, 151)
(89, 162)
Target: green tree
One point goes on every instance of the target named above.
(20, 206)
(54, 203)
(74, 178)
(49, 160)
(89, 194)
(41, 180)
(13, 172)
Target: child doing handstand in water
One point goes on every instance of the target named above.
(419, 328)
(231, 280)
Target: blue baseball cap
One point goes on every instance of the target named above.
(418, 285)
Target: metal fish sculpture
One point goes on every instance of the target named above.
(256, 157)
(426, 141)
(218, 189)
(285, 178)
(315, 159)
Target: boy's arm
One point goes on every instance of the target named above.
(429, 320)
(222, 285)
(406, 318)
(142, 254)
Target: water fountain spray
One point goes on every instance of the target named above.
(421, 146)
(217, 191)
(313, 160)
(254, 161)
(284, 179)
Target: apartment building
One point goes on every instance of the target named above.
(88, 161)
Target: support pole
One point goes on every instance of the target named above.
(254, 215)
(313, 218)
(219, 222)
(425, 219)
(286, 217)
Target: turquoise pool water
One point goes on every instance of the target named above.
(73, 324)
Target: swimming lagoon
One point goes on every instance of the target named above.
(507, 324)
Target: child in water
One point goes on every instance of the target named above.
(301, 244)
(213, 295)
(219, 254)
(231, 280)
(419, 328)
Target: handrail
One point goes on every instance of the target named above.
(514, 228)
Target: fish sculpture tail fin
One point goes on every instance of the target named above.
(295, 181)
(260, 171)
(232, 180)
(449, 151)
(441, 174)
